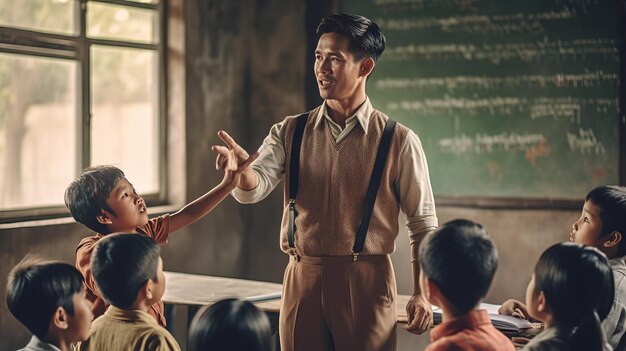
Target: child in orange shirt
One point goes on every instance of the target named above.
(105, 201)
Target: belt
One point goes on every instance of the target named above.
(336, 259)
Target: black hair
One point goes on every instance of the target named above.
(366, 38)
(461, 260)
(121, 264)
(86, 196)
(230, 325)
(611, 200)
(36, 288)
(578, 286)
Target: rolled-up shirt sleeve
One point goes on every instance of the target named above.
(269, 167)
(414, 190)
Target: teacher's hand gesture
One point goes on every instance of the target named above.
(419, 314)
(235, 162)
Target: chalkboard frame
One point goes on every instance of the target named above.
(522, 202)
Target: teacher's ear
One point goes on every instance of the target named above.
(366, 67)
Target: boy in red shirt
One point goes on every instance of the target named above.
(457, 263)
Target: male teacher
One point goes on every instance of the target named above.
(344, 187)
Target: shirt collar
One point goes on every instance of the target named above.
(363, 114)
(618, 266)
(473, 319)
(36, 344)
(618, 262)
(129, 315)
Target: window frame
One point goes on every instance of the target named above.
(77, 48)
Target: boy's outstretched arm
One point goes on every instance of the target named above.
(234, 165)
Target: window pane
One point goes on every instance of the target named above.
(124, 113)
(55, 16)
(37, 130)
(107, 21)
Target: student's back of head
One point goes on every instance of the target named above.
(578, 286)
(39, 292)
(461, 260)
(230, 325)
(86, 196)
(122, 264)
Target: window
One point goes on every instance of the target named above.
(81, 83)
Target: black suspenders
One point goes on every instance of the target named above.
(294, 173)
(372, 189)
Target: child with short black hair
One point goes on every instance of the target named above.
(230, 324)
(105, 201)
(129, 272)
(48, 298)
(602, 225)
(569, 305)
(458, 262)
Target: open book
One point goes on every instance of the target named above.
(500, 321)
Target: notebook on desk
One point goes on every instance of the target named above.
(500, 321)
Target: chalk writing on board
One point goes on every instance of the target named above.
(504, 94)
(496, 53)
(497, 24)
(561, 107)
(485, 143)
(462, 5)
(588, 79)
(467, 6)
(585, 142)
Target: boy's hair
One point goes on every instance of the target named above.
(36, 288)
(121, 264)
(611, 200)
(461, 260)
(86, 196)
(578, 286)
(230, 324)
(366, 38)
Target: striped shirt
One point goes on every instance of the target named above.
(614, 324)
(471, 332)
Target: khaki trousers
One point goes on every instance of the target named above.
(335, 303)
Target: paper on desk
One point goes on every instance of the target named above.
(264, 297)
(500, 321)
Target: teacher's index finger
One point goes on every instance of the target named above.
(226, 138)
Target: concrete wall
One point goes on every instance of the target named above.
(241, 66)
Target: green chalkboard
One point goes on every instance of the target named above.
(511, 99)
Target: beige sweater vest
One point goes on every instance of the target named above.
(333, 182)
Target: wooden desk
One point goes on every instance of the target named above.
(203, 290)
(194, 291)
